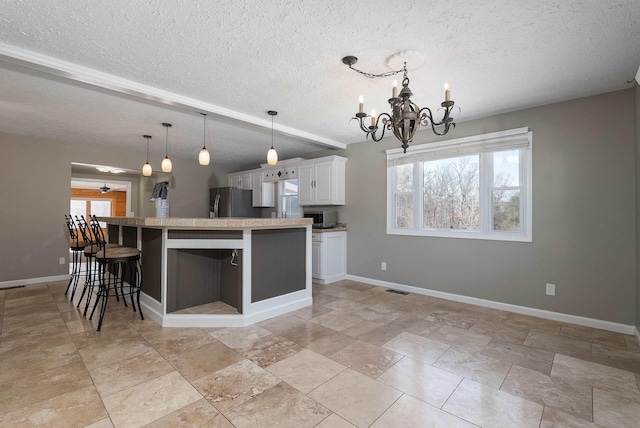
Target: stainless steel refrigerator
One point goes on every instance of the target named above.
(232, 202)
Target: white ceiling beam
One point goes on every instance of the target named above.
(78, 73)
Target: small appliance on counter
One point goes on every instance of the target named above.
(232, 202)
(322, 219)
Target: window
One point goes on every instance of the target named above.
(288, 191)
(476, 187)
(87, 207)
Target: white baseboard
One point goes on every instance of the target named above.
(329, 280)
(29, 281)
(151, 308)
(540, 313)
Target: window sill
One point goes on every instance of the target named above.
(506, 236)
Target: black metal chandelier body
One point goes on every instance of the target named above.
(406, 117)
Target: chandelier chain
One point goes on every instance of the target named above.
(373, 76)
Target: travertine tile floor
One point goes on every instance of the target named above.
(359, 357)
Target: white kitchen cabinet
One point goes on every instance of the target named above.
(328, 256)
(241, 180)
(316, 249)
(322, 181)
(263, 194)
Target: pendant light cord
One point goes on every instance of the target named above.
(147, 137)
(272, 131)
(166, 139)
(204, 131)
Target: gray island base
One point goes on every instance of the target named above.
(222, 272)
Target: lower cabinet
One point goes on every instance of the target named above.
(328, 256)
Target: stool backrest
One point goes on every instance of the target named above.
(73, 231)
(83, 227)
(98, 233)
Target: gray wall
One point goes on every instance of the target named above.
(35, 176)
(584, 217)
(636, 91)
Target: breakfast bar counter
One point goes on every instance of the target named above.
(220, 272)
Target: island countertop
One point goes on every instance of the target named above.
(209, 223)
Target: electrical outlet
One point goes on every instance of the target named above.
(551, 289)
(62, 260)
(383, 265)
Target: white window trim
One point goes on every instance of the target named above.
(519, 138)
(280, 197)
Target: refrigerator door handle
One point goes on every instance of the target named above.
(215, 206)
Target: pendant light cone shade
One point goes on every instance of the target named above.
(272, 155)
(146, 168)
(203, 156)
(166, 162)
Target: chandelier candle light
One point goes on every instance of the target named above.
(406, 117)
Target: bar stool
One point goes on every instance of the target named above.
(113, 265)
(92, 246)
(98, 243)
(76, 245)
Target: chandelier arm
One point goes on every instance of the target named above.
(446, 120)
(364, 128)
(383, 127)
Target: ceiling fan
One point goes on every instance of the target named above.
(105, 189)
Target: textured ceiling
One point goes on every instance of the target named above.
(240, 59)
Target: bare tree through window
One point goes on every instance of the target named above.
(452, 193)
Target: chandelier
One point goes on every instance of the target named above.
(406, 117)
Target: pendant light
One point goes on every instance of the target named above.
(146, 168)
(272, 155)
(204, 157)
(166, 162)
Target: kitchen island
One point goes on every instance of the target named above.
(221, 272)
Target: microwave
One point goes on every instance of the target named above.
(322, 219)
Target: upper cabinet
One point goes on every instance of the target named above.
(241, 180)
(322, 181)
